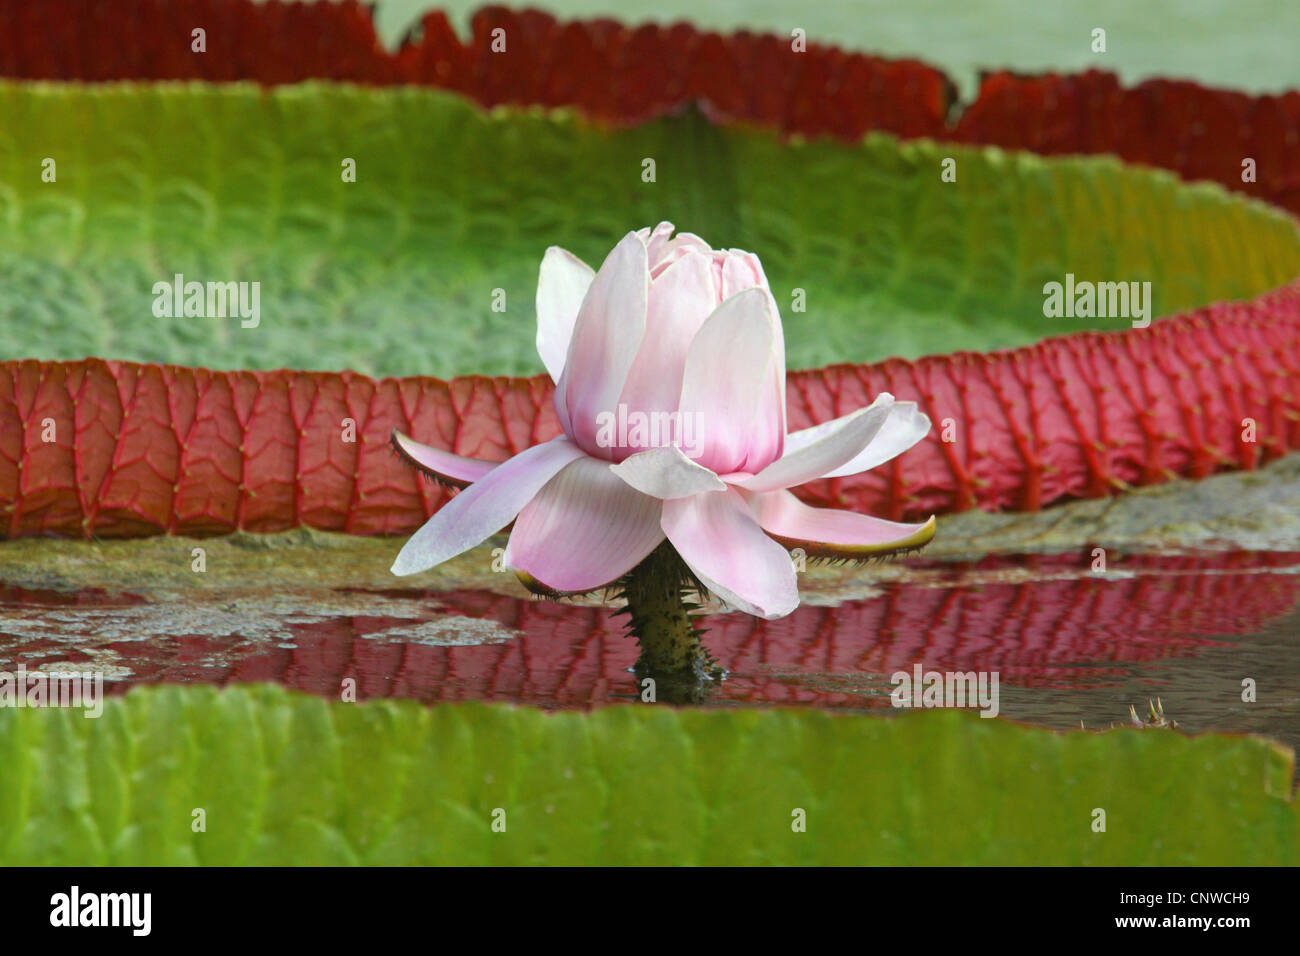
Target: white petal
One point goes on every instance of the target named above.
(443, 465)
(656, 240)
(719, 539)
(905, 426)
(831, 448)
(727, 367)
(680, 301)
(562, 283)
(831, 533)
(584, 530)
(666, 473)
(606, 338)
(485, 507)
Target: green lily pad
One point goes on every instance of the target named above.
(398, 272)
(286, 779)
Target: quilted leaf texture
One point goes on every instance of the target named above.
(291, 780)
(626, 74)
(398, 273)
(120, 449)
(147, 449)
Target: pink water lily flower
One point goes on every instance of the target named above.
(669, 364)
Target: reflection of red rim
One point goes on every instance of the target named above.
(1075, 632)
(166, 449)
(627, 74)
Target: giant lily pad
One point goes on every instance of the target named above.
(285, 779)
(399, 272)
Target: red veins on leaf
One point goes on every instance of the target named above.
(149, 449)
(120, 449)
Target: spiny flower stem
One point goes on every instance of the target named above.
(660, 619)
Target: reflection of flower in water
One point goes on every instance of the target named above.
(1053, 632)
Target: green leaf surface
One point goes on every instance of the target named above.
(289, 779)
(395, 273)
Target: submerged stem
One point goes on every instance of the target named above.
(660, 619)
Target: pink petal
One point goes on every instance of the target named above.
(485, 507)
(666, 473)
(742, 270)
(606, 338)
(664, 249)
(829, 532)
(831, 448)
(584, 530)
(767, 441)
(727, 367)
(680, 301)
(657, 241)
(718, 538)
(905, 426)
(443, 465)
(562, 284)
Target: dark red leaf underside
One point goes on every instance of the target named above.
(148, 449)
(626, 74)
